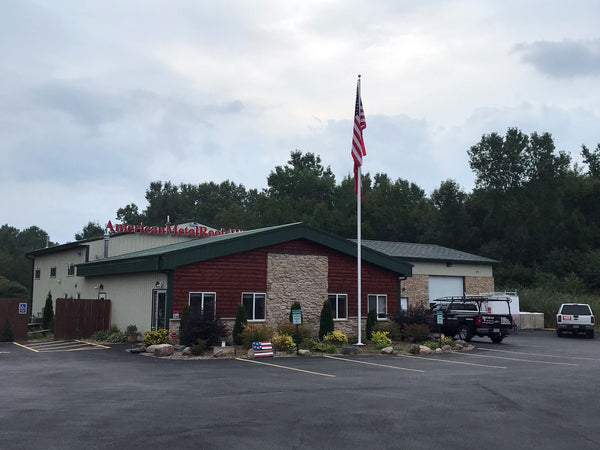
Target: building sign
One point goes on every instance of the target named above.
(191, 230)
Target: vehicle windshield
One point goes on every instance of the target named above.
(576, 310)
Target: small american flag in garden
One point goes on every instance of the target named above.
(262, 349)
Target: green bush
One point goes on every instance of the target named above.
(155, 337)
(7, 334)
(381, 339)
(100, 336)
(283, 342)
(116, 337)
(241, 320)
(416, 332)
(199, 348)
(336, 338)
(414, 350)
(391, 328)
(371, 322)
(256, 333)
(326, 324)
(290, 329)
(314, 345)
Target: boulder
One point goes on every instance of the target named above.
(218, 353)
(250, 353)
(187, 351)
(387, 351)
(348, 351)
(446, 348)
(163, 350)
(438, 350)
(150, 349)
(304, 352)
(424, 350)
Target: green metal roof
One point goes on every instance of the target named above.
(168, 257)
(405, 251)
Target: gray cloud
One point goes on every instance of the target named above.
(564, 59)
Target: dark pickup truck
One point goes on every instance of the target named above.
(466, 317)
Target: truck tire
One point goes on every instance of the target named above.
(464, 334)
(591, 334)
(496, 338)
(559, 332)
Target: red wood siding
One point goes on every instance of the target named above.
(231, 275)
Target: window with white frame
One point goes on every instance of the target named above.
(203, 301)
(339, 305)
(256, 305)
(378, 302)
(52, 272)
(70, 270)
(404, 304)
(37, 273)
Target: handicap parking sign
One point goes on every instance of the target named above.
(22, 308)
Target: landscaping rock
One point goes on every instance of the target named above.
(424, 350)
(250, 353)
(187, 351)
(150, 349)
(438, 350)
(218, 353)
(446, 348)
(303, 352)
(161, 350)
(387, 351)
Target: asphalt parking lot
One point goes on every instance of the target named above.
(534, 390)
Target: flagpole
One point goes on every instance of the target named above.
(358, 252)
(358, 242)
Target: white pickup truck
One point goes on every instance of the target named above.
(575, 318)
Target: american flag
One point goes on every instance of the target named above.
(262, 349)
(358, 144)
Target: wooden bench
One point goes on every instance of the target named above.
(36, 328)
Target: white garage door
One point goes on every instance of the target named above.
(440, 286)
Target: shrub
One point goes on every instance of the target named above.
(330, 348)
(336, 338)
(48, 314)
(204, 325)
(132, 329)
(241, 320)
(393, 330)
(381, 339)
(113, 329)
(417, 314)
(414, 350)
(290, 330)
(99, 336)
(117, 337)
(7, 334)
(314, 345)
(416, 332)
(371, 322)
(295, 305)
(326, 323)
(284, 343)
(199, 348)
(256, 333)
(156, 337)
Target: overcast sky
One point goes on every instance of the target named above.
(99, 98)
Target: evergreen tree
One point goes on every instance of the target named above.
(48, 314)
(371, 322)
(241, 321)
(326, 325)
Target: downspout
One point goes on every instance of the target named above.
(400, 280)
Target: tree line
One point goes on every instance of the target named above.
(532, 209)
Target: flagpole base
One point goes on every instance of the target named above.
(359, 344)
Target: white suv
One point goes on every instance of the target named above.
(575, 318)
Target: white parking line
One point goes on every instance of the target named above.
(429, 358)
(523, 360)
(538, 354)
(372, 364)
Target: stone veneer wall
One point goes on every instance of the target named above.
(416, 290)
(292, 277)
(478, 285)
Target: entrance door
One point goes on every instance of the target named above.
(159, 309)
